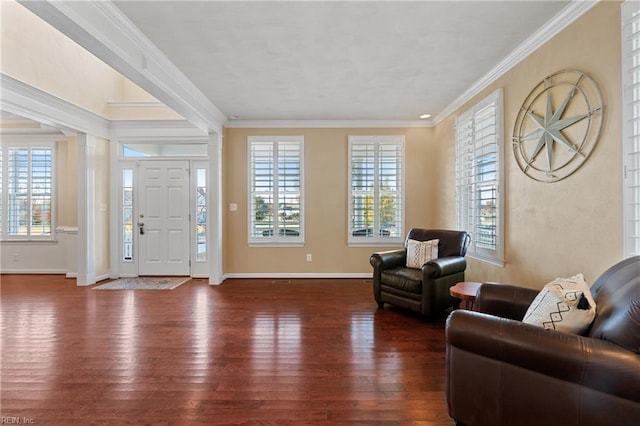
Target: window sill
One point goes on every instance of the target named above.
(276, 244)
(377, 243)
(29, 240)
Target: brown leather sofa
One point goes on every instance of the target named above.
(424, 290)
(501, 371)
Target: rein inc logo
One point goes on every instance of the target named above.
(16, 420)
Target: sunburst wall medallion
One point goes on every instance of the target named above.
(558, 126)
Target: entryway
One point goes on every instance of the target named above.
(163, 210)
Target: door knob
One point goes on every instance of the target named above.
(141, 227)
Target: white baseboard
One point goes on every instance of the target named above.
(35, 271)
(98, 278)
(294, 275)
(102, 277)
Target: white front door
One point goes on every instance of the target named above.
(163, 218)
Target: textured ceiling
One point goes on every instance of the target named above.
(336, 60)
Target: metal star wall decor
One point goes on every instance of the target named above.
(562, 116)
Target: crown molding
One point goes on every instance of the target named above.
(136, 104)
(32, 139)
(301, 124)
(102, 29)
(30, 102)
(32, 132)
(560, 21)
(143, 124)
(155, 130)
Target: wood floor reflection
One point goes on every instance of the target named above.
(246, 352)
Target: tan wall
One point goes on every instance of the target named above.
(570, 226)
(326, 201)
(557, 229)
(67, 164)
(67, 200)
(130, 92)
(36, 53)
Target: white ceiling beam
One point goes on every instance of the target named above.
(102, 29)
(34, 104)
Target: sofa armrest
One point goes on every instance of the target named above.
(504, 300)
(443, 266)
(388, 259)
(586, 361)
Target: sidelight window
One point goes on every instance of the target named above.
(201, 215)
(127, 215)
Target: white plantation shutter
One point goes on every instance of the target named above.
(27, 192)
(362, 186)
(275, 189)
(631, 125)
(479, 176)
(376, 203)
(18, 191)
(2, 202)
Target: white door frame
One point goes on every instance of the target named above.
(212, 268)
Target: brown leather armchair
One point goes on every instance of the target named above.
(501, 371)
(424, 290)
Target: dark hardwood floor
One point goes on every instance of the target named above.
(246, 352)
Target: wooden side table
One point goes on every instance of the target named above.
(466, 291)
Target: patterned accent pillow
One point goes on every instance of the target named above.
(565, 304)
(420, 252)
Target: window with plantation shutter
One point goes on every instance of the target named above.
(26, 191)
(376, 200)
(479, 177)
(631, 126)
(276, 190)
(2, 213)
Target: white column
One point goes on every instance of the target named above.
(86, 209)
(115, 212)
(214, 190)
